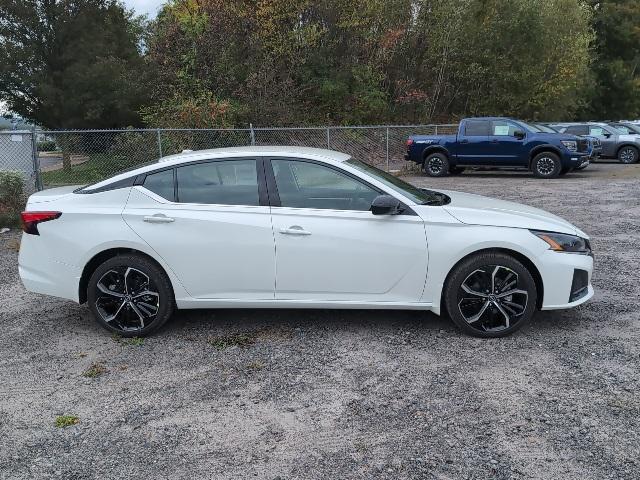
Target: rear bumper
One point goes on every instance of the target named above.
(40, 274)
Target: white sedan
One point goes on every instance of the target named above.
(291, 227)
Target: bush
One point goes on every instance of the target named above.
(11, 197)
(47, 146)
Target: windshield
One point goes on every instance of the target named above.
(531, 127)
(418, 195)
(544, 128)
(629, 128)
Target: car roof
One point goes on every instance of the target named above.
(259, 151)
(230, 152)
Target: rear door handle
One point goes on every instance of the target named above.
(158, 218)
(294, 230)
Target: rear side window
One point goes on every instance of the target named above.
(161, 183)
(577, 130)
(476, 128)
(623, 129)
(227, 182)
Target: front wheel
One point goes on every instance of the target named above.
(130, 295)
(490, 295)
(546, 165)
(436, 165)
(628, 154)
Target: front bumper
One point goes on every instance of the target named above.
(566, 278)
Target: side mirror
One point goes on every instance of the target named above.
(606, 134)
(385, 205)
(519, 134)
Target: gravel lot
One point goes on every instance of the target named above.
(340, 394)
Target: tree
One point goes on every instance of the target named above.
(72, 63)
(616, 91)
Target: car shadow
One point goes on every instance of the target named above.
(257, 319)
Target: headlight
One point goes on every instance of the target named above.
(561, 242)
(570, 145)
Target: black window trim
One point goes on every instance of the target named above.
(274, 197)
(263, 200)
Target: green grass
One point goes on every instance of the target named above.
(99, 167)
(64, 421)
(133, 341)
(95, 370)
(223, 342)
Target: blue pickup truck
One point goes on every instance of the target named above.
(497, 142)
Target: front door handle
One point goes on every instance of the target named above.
(294, 230)
(158, 218)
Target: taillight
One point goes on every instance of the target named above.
(30, 220)
(409, 142)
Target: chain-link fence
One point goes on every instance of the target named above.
(87, 156)
(17, 154)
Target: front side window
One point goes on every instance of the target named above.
(597, 131)
(503, 129)
(303, 184)
(476, 128)
(226, 182)
(161, 183)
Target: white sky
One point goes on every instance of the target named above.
(145, 7)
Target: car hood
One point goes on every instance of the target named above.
(479, 210)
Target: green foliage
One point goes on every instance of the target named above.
(72, 63)
(616, 88)
(11, 197)
(47, 146)
(289, 62)
(64, 421)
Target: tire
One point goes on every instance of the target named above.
(491, 309)
(546, 165)
(628, 154)
(456, 170)
(116, 299)
(436, 165)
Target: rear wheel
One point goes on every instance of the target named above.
(490, 295)
(436, 165)
(130, 295)
(546, 165)
(628, 154)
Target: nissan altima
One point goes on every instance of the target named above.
(291, 227)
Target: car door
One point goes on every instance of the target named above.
(507, 150)
(210, 221)
(473, 146)
(330, 247)
(608, 138)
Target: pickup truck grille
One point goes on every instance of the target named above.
(583, 145)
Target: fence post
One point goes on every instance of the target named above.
(159, 142)
(36, 160)
(436, 130)
(253, 135)
(328, 138)
(387, 149)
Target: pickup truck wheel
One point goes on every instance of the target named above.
(628, 154)
(436, 165)
(546, 165)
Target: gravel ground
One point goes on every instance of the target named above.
(340, 394)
